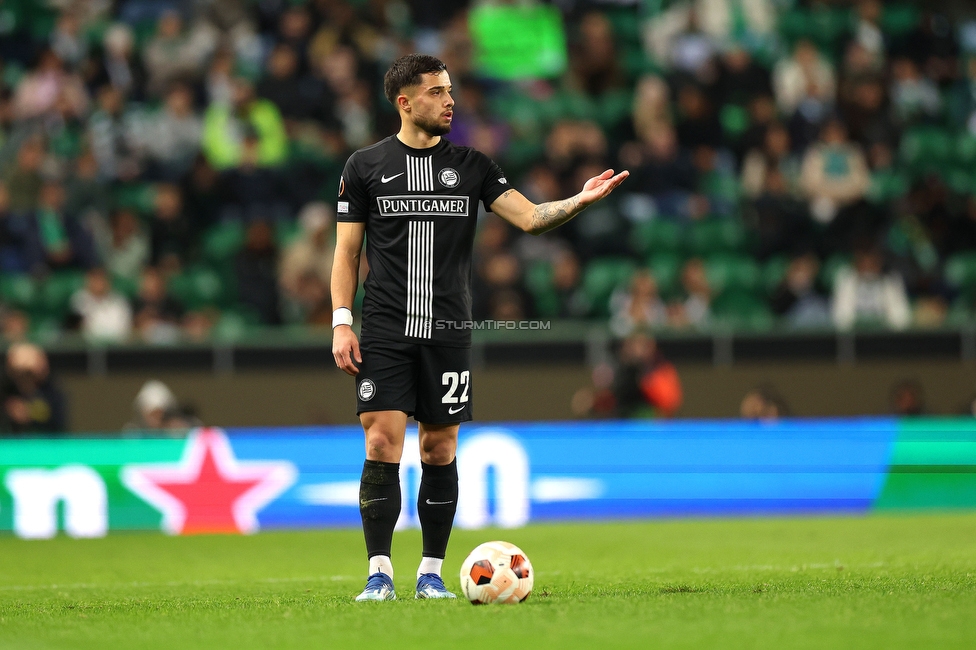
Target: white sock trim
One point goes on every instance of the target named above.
(430, 565)
(381, 564)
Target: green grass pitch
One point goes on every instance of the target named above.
(894, 581)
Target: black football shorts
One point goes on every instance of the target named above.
(430, 382)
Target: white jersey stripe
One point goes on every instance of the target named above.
(412, 260)
(420, 279)
(429, 280)
(420, 174)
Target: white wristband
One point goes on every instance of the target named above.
(341, 316)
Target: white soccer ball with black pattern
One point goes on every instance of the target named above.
(497, 572)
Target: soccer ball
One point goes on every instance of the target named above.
(497, 572)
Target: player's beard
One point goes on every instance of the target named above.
(432, 126)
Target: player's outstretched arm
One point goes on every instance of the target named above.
(513, 207)
(345, 281)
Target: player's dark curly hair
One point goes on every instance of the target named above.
(406, 71)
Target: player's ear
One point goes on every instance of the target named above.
(403, 103)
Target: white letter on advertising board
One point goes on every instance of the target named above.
(36, 493)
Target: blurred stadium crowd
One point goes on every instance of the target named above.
(168, 167)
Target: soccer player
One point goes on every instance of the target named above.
(414, 197)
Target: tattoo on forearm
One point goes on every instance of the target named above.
(547, 216)
(506, 194)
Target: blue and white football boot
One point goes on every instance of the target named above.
(430, 585)
(378, 587)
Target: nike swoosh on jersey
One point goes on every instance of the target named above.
(438, 503)
(374, 500)
(384, 179)
(451, 410)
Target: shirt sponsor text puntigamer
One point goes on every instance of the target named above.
(445, 206)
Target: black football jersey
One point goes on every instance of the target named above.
(420, 207)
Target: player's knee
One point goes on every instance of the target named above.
(383, 446)
(438, 448)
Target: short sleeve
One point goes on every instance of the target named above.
(495, 183)
(353, 201)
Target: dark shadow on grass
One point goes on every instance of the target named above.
(682, 589)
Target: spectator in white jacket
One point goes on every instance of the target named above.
(865, 293)
(103, 313)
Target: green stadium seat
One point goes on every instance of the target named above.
(128, 287)
(773, 273)
(655, 235)
(965, 150)
(735, 119)
(538, 277)
(56, 292)
(538, 280)
(600, 277)
(200, 286)
(287, 232)
(960, 313)
(960, 272)
(223, 241)
(614, 107)
(887, 186)
(666, 268)
(831, 266)
(961, 180)
(140, 197)
(18, 290)
(732, 273)
(742, 310)
(899, 19)
(715, 235)
(926, 149)
(235, 325)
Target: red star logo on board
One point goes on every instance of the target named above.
(209, 490)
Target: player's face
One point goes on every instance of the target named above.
(432, 107)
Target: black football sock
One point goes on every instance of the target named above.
(436, 505)
(379, 505)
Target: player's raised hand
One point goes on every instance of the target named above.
(600, 186)
(345, 350)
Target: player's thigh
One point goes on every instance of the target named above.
(444, 392)
(387, 379)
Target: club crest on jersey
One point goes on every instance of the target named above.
(367, 389)
(449, 177)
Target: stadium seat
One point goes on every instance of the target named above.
(600, 277)
(732, 273)
(654, 236)
(960, 272)
(899, 19)
(286, 232)
(223, 241)
(128, 287)
(139, 197)
(199, 286)
(926, 149)
(887, 186)
(538, 280)
(741, 310)
(18, 290)
(773, 273)
(960, 180)
(56, 292)
(831, 266)
(715, 235)
(235, 325)
(965, 151)
(666, 268)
